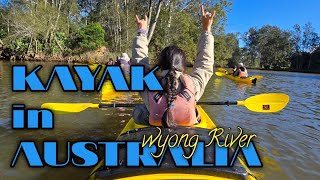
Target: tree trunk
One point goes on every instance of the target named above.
(154, 23)
(60, 47)
(29, 45)
(119, 29)
(36, 48)
(310, 58)
(8, 26)
(127, 20)
(149, 14)
(69, 19)
(58, 16)
(169, 22)
(87, 18)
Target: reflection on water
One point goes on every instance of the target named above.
(288, 141)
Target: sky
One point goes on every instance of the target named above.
(282, 13)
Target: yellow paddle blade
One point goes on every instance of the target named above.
(220, 73)
(68, 107)
(222, 69)
(257, 77)
(266, 103)
(225, 70)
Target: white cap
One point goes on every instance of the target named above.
(125, 56)
(240, 64)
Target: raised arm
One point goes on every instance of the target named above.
(203, 66)
(140, 44)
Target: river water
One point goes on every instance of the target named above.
(288, 142)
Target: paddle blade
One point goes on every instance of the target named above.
(220, 73)
(225, 70)
(68, 107)
(266, 103)
(222, 69)
(258, 77)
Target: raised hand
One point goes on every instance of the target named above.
(142, 23)
(207, 19)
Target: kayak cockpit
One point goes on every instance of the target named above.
(167, 168)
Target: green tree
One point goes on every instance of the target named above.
(225, 47)
(269, 44)
(297, 38)
(275, 47)
(251, 41)
(306, 42)
(47, 27)
(90, 37)
(311, 39)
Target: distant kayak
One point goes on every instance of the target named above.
(247, 80)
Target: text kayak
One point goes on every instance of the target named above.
(21, 79)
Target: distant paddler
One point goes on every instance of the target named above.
(240, 71)
(108, 93)
(124, 62)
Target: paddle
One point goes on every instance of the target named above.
(257, 77)
(223, 74)
(222, 69)
(220, 73)
(265, 103)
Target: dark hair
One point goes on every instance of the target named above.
(173, 59)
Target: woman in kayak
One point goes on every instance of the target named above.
(240, 71)
(176, 105)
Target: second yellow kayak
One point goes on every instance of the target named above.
(247, 80)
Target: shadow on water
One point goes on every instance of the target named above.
(288, 142)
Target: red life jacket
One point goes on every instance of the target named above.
(243, 72)
(183, 107)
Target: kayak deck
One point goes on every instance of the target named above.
(167, 170)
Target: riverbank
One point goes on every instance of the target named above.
(102, 56)
(99, 56)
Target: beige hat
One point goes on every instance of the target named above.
(240, 64)
(125, 56)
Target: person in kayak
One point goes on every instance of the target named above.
(240, 71)
(176, 105)
(124, 62)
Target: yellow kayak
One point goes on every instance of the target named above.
(168, 171)
(247, 80)
(93, 68)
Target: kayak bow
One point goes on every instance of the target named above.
(134, 132)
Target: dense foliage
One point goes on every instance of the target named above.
(66, 27)
(46, 28)
(90, 37)
(271, 47)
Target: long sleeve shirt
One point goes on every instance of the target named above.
(202, 69)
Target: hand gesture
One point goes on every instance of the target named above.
(142, 23)
(207, 19)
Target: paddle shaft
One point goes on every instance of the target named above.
(199, 103)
